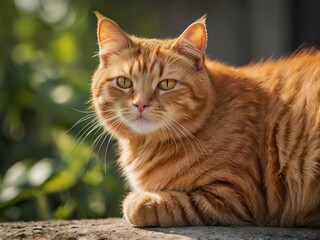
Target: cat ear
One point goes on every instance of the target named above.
(111, 37)
(193, 41)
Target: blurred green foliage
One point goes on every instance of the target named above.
(50, 145)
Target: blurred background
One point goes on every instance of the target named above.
(55, 161)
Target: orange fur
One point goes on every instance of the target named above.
(231, 146)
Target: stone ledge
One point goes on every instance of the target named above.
(115, 228)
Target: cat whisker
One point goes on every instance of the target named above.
(108, 46)
(117, 124)
(86, 133)
(168, 59)
(185, 134)
(102, 137)
(93, 127)
(83, 119)
(173, 61)
(81, 111)
(95, 142)
(97, 54)
(97, 139)
(173, 128)
(190, 137)
(92, 123)
(105, 41)
(168, 135)
(191, 121)
(106, 152)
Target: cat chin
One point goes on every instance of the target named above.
(143, 126)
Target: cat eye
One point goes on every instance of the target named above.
(124, 82)
(167, 84)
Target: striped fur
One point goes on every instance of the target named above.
(227, 146)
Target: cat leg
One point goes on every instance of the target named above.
(172, 208)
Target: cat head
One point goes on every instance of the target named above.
(151, 87)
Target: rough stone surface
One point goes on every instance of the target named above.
(119, 229)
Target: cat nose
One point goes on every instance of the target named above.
(141, 105)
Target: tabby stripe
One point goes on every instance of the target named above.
(217, 202)
(197, 210)
(156, 214)
(280, 185)
(283, 133)
(303, 155)
(287, 134)
(213, 204)
(151, 65)
(289, 125)
(183, 171)
(302, 159)
(263, 186)
(147, 171)
(224, 206)
(131, 69)
(238, 191)
(273, 140)
(181, 209)
(274, 144)
(161, 69)
(237, 187)
(275, 132)
(298, 139)
(139, 65)
(137, 53)
(225, 183)
(250, 214)
(154, 163)
(144, 66)
(294, 147)
(317, 159)
(168, 211)
(154, 59)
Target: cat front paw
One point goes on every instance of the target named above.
(140, 209)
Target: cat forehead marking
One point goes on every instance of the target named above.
(149, 67)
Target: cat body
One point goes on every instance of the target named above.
(202, 143)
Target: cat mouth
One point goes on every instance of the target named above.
(143, 125)
(142, 120)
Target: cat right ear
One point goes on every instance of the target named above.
(111, 37)
(193, 41)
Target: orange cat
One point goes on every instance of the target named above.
(202, 143)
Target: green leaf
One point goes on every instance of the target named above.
(93, 176)
(65, 210)
(62, 181)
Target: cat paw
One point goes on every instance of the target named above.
(140, 209)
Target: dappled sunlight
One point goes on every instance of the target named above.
(50, 167)
(49, 11)
(61, 94)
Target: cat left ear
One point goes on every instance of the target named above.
(111, 37)
(193, 41)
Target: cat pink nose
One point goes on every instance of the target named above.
(141, 106)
